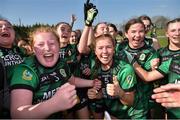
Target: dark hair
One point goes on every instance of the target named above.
(172, 21)
(132, 22)
(145, 17)
(58, 24)
(1, 19)
(113, 26)
(95, 28)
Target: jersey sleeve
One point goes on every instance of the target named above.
(127, 78)
(152, 55)
(24, 78)
(164, 67)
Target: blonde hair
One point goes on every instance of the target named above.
(102, 37)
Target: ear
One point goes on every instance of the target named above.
(126, 35)
(167, 35)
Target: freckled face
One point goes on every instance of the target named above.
(46, 48)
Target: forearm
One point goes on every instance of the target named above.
(82, 46)
(90, 37)
(145, 75)
(126, 98)
(80, 82)
(41, 110)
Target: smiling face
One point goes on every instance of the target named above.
(101, 28)
(64, 32)
(136, 35)
(7, 34)
(73, 38)
(173, 33)
(104, 50)
(147, 25)
(46, 48)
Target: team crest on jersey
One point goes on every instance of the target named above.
(27, 75)
(69, 53)
(142, 57)
(129, 78)
(62, 72)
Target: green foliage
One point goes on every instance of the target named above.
(161, 37)
(23, 32)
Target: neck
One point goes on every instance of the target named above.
(107, 66)
(63, 44)
(174, 47)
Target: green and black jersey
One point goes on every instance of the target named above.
(127, 81)
(170, 68)
(149, 41)
(83, 64)
(143, 56)
(69, 54)
(10, 58)
(42, 81)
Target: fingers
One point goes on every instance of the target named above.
(168, 105)
(87, 2)
(160, 95)
(86, 71)
(92, 93)
(158, 90)
(97, 84)
(67, 87)
(110, 89)
(115, 80)
(171, 87)
(155, 63)
(165, 100)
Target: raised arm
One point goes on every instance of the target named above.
(90, 13)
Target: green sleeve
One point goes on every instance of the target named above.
(151, 56)
(164, 67)
(24, 78)
(127, 78)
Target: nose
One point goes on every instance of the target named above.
(177, 32)
(104, 50)
(3, 27)
(46, 47)
(137, 34)
(106, 31)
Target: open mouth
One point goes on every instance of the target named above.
(65, 37)
(5, 35)
(48, 55)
